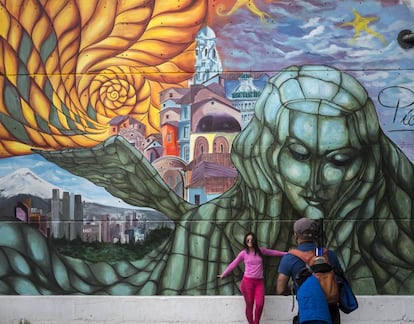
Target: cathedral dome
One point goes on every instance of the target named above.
(246, 88)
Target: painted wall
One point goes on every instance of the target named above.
(281, 109)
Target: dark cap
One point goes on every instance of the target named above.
(305, 227)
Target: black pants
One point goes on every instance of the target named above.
(335, 315)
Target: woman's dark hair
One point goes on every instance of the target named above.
(254, 243)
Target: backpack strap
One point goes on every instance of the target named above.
(308, 257)
(306, 271)
(305, 256)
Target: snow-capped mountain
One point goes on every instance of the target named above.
(25, 181)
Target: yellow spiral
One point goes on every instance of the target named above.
(70, 66)
(114, 92)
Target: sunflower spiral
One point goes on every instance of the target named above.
(67, 67)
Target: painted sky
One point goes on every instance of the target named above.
(295, 32)
(299, 32)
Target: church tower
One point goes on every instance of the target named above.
(208, 62)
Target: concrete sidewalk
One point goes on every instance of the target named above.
(183, 310)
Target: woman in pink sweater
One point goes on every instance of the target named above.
(252, 285)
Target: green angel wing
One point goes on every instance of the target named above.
(124, 172)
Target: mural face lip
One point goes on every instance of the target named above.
(317, 202)
(313, 202)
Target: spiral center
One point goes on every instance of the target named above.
(113, 95)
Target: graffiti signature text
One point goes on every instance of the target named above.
(401, 100)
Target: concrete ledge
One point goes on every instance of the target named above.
(182, 309)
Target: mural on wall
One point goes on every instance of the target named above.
(211, 118)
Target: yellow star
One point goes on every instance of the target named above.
(249, 4)
(360, 23)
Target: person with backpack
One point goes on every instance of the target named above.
(252, 285)
(310, 273)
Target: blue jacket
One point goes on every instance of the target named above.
(313, 308)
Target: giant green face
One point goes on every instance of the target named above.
(317, 161)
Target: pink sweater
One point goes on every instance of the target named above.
(253, 264)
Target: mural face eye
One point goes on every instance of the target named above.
(295, 162)
(342, 165)
(342, 158)
(299, 152)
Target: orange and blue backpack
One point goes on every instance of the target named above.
(319, 267)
